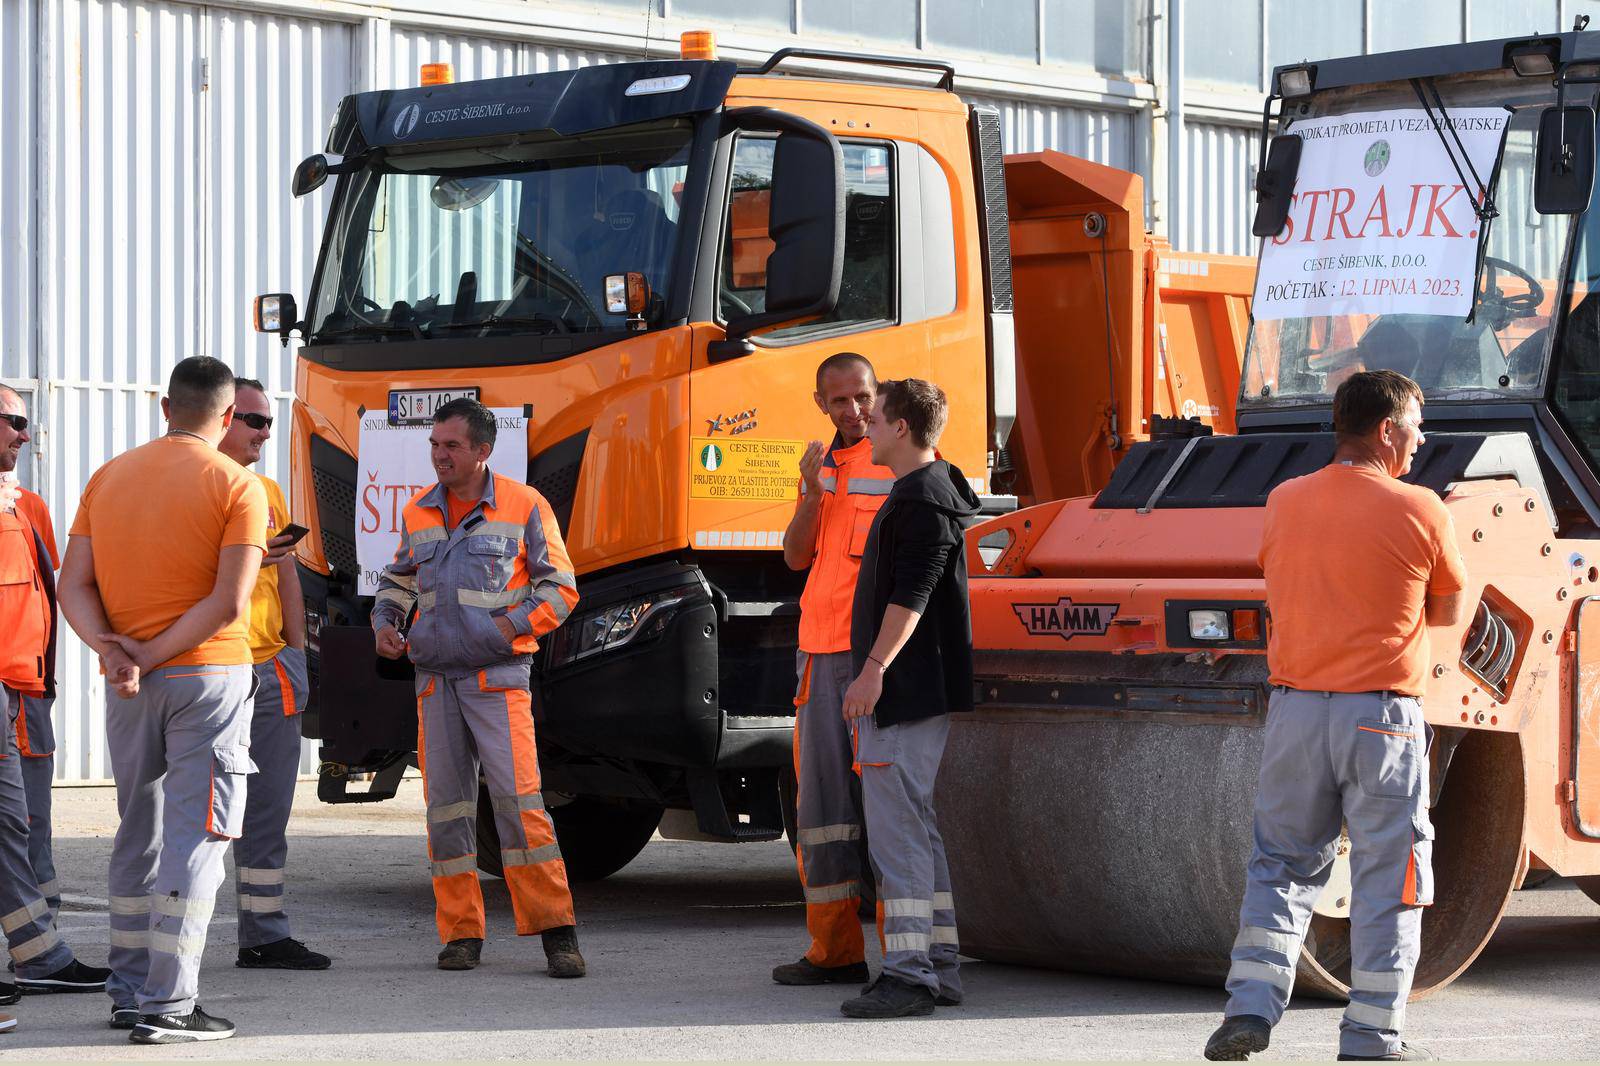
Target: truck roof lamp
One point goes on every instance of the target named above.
(697, 44)
(438, 73)
(1536, 59)
(1295, 82)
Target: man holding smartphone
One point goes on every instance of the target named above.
(277, 646)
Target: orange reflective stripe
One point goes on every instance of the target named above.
(285, 687)
(801, 698)
(1408, 889)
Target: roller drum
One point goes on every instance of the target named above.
(1116, 842)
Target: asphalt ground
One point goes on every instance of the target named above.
(680, 946)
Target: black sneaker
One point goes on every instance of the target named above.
(1407, 1053)
(285, 954)
(890, 997)
(806, 972)
(73, 977)
(1238, 1038)
(180, 1028)
(462, 954)
(124, 1017)
(9, 993)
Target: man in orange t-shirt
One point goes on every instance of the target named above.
(161, 560)
(1358, 566)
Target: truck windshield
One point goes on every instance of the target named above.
(1410, 300)
(502, 238)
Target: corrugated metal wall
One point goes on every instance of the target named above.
(145, 201)
(1218, 168)
(166, 138)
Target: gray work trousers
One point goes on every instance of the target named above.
(25, 917)
(38, 777)
(180, 752)
(827, 811)
(1360, 758)
(259, 855)
(898, 765)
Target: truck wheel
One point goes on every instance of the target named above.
(598, 837)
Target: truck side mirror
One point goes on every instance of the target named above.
(1275, 185)
(276, 313)
(313, 171)
(805, 221)
(1563, 176)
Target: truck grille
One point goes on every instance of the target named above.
(554, 473)
(333, 478)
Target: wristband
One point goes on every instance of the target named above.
(881, 664)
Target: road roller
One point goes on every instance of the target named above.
(1426, 211)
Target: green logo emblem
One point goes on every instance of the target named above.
(711, 457)
(1377, 158)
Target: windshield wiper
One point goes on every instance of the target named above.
(527, 318)
(410, 329)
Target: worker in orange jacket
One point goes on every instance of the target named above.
(28, 893)
(840, 492)
(482, 561)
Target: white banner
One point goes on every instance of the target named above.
(393, 466)
(1380, 221)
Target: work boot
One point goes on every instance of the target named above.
(1407, 1053)
(1238, 1038)
(941, 999)
(73, 977)
(561, 952)
(890, 997)
(461, 954)
(180, 1028)
(806, 972)
(285, 954)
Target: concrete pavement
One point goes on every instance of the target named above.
(680, 945)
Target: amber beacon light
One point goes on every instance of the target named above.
(697, 44)
(438, 73)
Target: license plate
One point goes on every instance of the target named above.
(415, 407)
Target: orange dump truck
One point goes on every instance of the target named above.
(639, 267)
(1427, 212)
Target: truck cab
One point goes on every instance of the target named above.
(639, 267)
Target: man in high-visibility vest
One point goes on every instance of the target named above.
(840, 492)
(482, 561)
(278, 648)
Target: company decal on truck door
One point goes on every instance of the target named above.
(1065, 619)
(723, 468)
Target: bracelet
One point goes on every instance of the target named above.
(881, 664)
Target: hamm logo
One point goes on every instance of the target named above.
(1065, 619)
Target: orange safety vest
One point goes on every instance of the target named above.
(25, 605)
(853, 489)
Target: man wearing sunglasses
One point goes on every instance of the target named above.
(29, 897)
(277, 647)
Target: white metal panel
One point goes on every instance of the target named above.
(399, 61)
(18, 138)
(119, 199)
(1218, 204)
(1103, 136)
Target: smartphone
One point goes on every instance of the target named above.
(293, 531)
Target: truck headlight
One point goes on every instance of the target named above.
(632, 622)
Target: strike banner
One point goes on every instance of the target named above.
(1380, 222)
(393, 466)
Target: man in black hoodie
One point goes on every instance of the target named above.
(911, 640)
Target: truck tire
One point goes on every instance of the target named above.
(598, 837)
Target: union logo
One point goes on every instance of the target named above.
(1377, 158)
